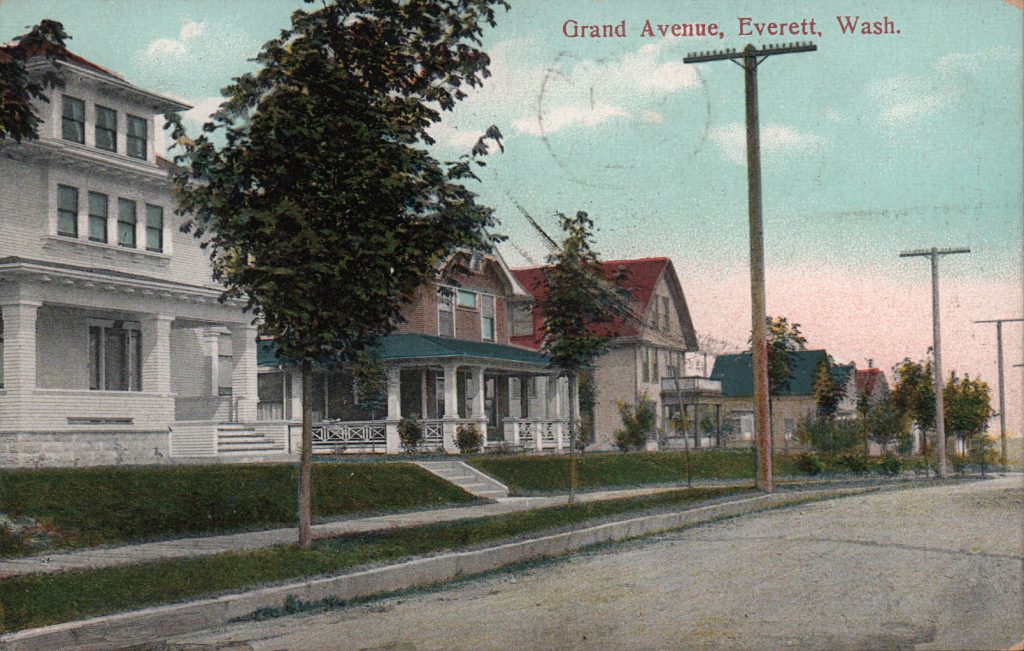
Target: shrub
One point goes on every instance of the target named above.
(983, 453)
(410, 433)
(468, 438)
(637, 423)
(810, 464)
(890, 465)
(853, 463)
(829, 436)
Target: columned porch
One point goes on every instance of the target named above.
(693, 407)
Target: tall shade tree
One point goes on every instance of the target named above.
(576, 296)
(18, 119)
(312, 188)
(913, 395)
(968, 406)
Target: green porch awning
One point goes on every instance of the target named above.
(409, 347)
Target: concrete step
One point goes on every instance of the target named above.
(466, 477)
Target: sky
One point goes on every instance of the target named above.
(871, 145)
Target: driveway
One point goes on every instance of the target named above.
(932, 568)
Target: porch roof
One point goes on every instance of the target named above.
(409, 346)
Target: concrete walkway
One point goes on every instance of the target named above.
(208, 545)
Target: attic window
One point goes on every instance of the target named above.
(664, 311)
(476, 262)
(522, 319)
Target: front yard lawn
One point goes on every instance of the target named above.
(80, 507)
(40, 599)
(618, 470)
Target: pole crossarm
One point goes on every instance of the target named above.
(927, 252)
(749, 52)
(1000, 321)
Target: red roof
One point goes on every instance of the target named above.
(866, 379)
(640, 278)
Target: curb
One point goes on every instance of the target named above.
(156, 623)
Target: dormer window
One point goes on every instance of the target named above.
(106, 128)
(73, 120)
(137, 145)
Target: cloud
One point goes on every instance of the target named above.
(776, 141)
(568, 116)
(907, 100)
(455, 138)
(163, 48)
(569, 92)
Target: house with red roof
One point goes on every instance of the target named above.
(648, 349)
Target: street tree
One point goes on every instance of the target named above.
(312, 187)
(576, 295)
(827, 392)
(913, 395)
(783, 340)
(884, 423)
(18, 90)
(968, 407)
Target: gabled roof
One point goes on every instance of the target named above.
(423, 347)
(639, 277)
(736, 373)
(868, 379)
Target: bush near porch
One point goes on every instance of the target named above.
(79, 507)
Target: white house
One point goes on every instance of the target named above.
(114, 346)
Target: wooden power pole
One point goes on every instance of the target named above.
(1002, 385)
(749, 59)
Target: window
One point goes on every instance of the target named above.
(487, 318)
(137, 137)
(476, 262)
(654, 312)
(67, 211)
(664, 311)
(154, 228)
(97, 217)
(115, 357)
(467, 299)
(789, 426)
(106, 128)
(73, 120)
(126, 223)
(522, 319)
(654, 372)
(225, 365)
(646, 355)
(445, 316)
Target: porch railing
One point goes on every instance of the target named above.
(537, 433)
(352, 437)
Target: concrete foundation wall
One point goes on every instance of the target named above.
(83, 448)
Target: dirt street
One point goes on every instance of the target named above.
(934, 568)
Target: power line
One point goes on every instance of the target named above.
(751, 58)
(940, 424)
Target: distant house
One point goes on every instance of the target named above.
(452, 361)
(789, 404)
(872, 384)
(659, 343)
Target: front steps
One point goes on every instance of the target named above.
(237, 439)
(467, 478)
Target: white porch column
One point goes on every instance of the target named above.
(19, 367)
(555, 407)
(156, 353)
(295, 377)
(211, 343)
(244, 391)
(478, 394)
(394, 444)
(451, 407)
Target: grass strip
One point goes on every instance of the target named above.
(617, 470)
(37, 600)
(82, 507)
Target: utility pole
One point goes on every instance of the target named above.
(1002, 386)
(940, 419)
(751, 58)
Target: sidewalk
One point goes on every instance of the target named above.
(208, 545)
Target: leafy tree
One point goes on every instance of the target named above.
(827, 392)
(322, 210)
(913, 394)
(637, 423)
(576, 296)
(783, 340)
(967, 404)
(830, 436)
(18, 119)
(884, 423)
(370, 377)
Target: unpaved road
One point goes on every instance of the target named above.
(933, 568)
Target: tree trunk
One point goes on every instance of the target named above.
(572, 436)
(306, 464)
